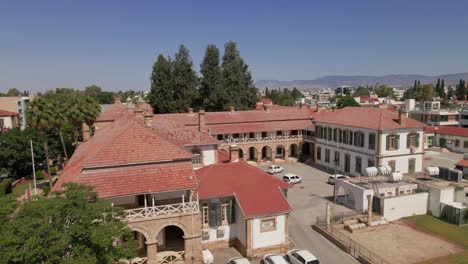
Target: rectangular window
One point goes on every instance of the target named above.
(350, 137)
(267, 225)
(412, 140)
(372, 140)
(465, 144)
(392, 142)
(197, 158)
(337, 158)
(329, 132)
(457, 142)
(327, 155)
(358, 164)
(347, 163)
(319, 153)
(224, 208)
(335, 134)
(2, 122)
(205, 217)
(370, 163)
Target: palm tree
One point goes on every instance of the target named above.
(39, 115)
(58, 120)
(82, 110)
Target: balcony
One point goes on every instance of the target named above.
(261, 139)
(162, 211)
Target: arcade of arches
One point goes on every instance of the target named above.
(177, 240)
(279, 152)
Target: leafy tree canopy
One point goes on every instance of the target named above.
(345, 101)
(72, 227)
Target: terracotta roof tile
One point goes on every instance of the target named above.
(364, 117)
(112, 112)
(257, 192)
(462, 163)
(449, 130)
(7, 113)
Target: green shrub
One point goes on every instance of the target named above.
(53, 171)
(46, 190)
(6, 186)
(40, 175)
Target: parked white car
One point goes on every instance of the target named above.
(301, 256)
(238, 260)
(272, 169)
(333, 177)
(292, 178)
(273, 259)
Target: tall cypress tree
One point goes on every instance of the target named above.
(161, 96)
(237, 79)
(437, 88)
(442, 93)
(185, 81)
(461, 90)
(212, 93)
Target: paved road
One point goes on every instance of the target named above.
(308, 201)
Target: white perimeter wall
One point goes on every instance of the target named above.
(270, 238)
(397, 207)
(437, 196)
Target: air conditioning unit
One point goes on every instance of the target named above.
(220, 232)
(205, 235)
(412, 149)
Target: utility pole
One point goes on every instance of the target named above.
(336, 165)
(34, 168)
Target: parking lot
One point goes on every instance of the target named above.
(308, 200)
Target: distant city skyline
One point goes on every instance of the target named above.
(50, 44)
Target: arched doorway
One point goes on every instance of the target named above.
(142, 250)
(171, 238)
(280, 152)
(293, 151)
(267, 153)
(241, 154)
(252, 154)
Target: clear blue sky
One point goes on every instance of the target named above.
(49, 44)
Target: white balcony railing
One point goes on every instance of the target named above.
(162, 210)
(263, 139)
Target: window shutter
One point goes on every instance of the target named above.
(362, 140)
(417, 140)
(388, 142)
(397, 142)
(230, 212)
(408, 139)
(215, 213)
(351, 137)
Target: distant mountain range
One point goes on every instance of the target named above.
(356, 80)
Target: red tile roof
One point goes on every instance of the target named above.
(462, 163)
(257, 192)
(364, 117)
(449, 130)
(148, 157)
(259, 126)
(185, 136)
(112, 112)
(223, 156)
(7, 113)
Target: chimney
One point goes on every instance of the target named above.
(117, 100)
(233, 153)
(201, 120)
(232, 109)
(138, 112)
(148, 117)
(402, 117)
(190, 111)
(267, 108)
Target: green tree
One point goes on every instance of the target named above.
(211, 90)
(15, 151)
(13, 92)
(361, 90)
(39, 114)
(450, 92)
(346, 101)
(442, 93)
(81, 110)
(162, 95)
(437, 88)
(185, 81)
(237, 80)
(58, 120)
(461, 93)
(384, 91)
(73, 226)
(427, 93)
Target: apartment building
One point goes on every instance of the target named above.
(16, 104)
(432, 114)
(453, 138)
(353, 138)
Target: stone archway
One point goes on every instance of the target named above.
(241, 154)
(252, 154)
(293, 151)
(171, 238)
(267, 153)
(280, 152)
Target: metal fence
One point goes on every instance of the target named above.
(353, 248)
